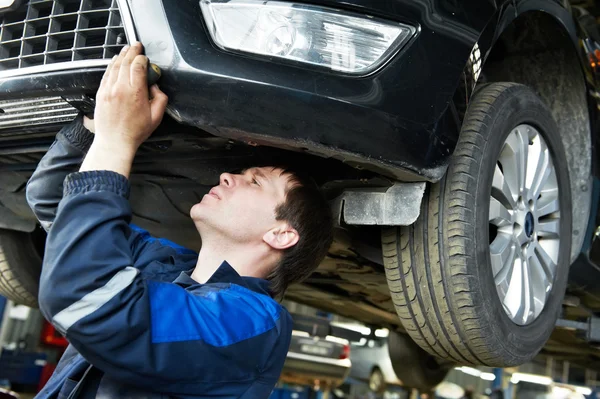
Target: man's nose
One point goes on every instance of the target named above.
(226, 179)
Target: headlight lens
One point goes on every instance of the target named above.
(320, 36)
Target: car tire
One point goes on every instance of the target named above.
(21, 265)
(377, 381)
(440, 269)
(414, 367)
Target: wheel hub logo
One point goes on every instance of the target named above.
(529, 221)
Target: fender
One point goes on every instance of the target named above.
(576, 114)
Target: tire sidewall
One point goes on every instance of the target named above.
(516, 106)
(23, 256)
(412, 365)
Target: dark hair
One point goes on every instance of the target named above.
(307, 211)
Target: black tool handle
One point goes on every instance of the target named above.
(154, 73)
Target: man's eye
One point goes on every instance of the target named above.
(254, 181)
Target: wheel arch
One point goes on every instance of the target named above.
(540, 49)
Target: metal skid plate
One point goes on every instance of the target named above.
(397, 205)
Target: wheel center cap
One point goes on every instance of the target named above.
(529, 224)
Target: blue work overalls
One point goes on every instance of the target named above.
(128, 306)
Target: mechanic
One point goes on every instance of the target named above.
(144, 317)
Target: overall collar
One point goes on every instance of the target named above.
(226, 274)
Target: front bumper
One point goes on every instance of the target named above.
(397, 121)
(394, 121)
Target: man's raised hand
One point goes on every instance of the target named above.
(126, 111)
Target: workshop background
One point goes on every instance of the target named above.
(318, 366)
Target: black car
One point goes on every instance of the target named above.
(319, 354)
(455, 139)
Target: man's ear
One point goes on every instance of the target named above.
(281, 237)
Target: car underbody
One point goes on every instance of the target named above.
(178, 166)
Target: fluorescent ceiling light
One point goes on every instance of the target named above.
(382, 332)
(476, 373)
(300, 333)
(469, 370)
(532, 378)
(583, 390)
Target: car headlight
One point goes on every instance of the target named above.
(309, 34)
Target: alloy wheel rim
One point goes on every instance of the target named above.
(524, 224)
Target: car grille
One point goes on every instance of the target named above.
(42, 32)
(34, 111)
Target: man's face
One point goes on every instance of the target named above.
(242, 206)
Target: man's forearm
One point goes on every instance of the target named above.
(115, 157)
(45, 187)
